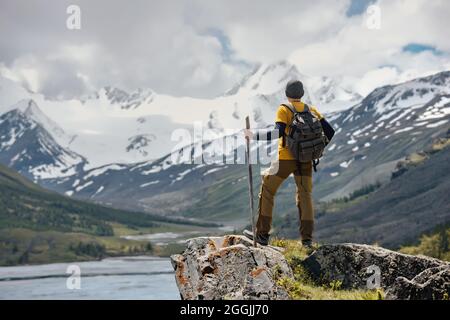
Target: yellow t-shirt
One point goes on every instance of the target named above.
(285, 115)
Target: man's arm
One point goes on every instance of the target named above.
(277, 132)
(327, 129)
(280, 128)
(326, 126)
(280, 131)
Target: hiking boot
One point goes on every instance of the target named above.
(308, 245)
(262, 239)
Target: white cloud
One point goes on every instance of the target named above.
(168, 45)
(361, 53)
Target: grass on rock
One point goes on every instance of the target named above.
(302, 286)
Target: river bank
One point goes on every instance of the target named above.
(136, 277)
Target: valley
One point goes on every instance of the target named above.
(132, 169)
(39, 226)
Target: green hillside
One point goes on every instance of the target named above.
(39, 226)
(26, 205)
(414, 202)
(434, 245)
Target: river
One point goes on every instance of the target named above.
(142, 277)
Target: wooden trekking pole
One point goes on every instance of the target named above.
(250, 181)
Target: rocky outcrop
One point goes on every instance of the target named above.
(431, 284)
(229, 267)
(358, 266)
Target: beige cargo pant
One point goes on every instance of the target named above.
(272, 180)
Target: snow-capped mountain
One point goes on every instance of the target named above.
(29, 148)
(116, 147)
(112, 125)
(268, 79)
(371, 137)
(329, 94)
(332, 94)
(128, 100)
(31, 110)
(10, 93)
(388, 124)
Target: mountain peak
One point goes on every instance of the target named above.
(267, 78)
(438, 79)
(26, 106)
(413, 92)
(30, 109)
(128, 100)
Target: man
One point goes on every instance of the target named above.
(285, 166)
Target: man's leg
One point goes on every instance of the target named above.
(303, 180)
(270, 184)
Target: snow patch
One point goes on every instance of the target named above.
(437, 124)
(442, 102)
(101, 170)
(352, 140)
(182, 174)
(154, 169)
(359, 131)
(334, 174)
(212, 170)
(149, 183)
(98, 191)
(345, 164)
(87, 184)
(404, 130)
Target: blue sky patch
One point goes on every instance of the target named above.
(227, 51)
(419, 47)
(358, 7)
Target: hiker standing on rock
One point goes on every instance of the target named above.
(303, 134)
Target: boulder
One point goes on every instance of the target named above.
(357, 265)
(229, 267)
(431, 284)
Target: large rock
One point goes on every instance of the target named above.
(229, 267)
(431, 284)
(403, 276)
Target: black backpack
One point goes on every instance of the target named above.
(306, 139)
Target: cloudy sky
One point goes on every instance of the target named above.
(202, 47)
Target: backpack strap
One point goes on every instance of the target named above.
(291, 108)
(306, 108)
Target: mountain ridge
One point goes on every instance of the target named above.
(371, 137)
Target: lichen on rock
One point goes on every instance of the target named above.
(229, 267)
(402, 276)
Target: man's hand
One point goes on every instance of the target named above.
(248, 134)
